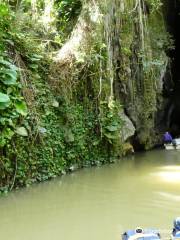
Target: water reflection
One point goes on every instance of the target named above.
(96, 203)
(170, 174)
(170, 196)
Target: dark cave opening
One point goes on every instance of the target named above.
(171, 91)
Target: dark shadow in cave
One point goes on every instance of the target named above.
(172, 81)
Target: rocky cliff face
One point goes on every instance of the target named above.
(112, 86)
(130, 41)
(171, 80)
(147, 65)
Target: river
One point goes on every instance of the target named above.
(97, 203)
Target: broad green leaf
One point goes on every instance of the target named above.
(4, 101)
(8, 64)
(21, 108)
(4, 98)
(11, 72)
(9, 90)
(7, 133)
(22, 131)
(2, 141)
(4, 62)
(9, 41)
(9, 76)
(4, 105)
(55, 104)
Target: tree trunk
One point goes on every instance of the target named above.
(79, 43)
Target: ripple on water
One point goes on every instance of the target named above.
(97, 203)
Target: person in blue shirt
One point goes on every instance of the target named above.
(167, 138)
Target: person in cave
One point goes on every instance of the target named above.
(167, 138)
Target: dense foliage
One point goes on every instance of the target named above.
(68, 11)
(12, 104)
(42, 137)
(51, 126)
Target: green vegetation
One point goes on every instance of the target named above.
(68, 12)
(56, 119)
(12, 105)
(42, 133)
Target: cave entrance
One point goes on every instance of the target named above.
(172, 83)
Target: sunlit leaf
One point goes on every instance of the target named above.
(9, 76)
(22, 131)
(4, 101)
(55, 104)
(8, 133)
(21, 108)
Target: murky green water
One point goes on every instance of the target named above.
(97, 203)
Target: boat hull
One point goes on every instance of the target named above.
(175, 145)
(147, 234)
(169, 147)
